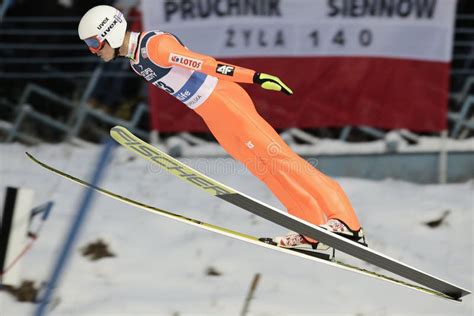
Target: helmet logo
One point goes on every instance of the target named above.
(101, 25)
(108, 29)
(118, 17)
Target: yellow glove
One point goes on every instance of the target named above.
(270, 82)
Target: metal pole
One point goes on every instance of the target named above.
(16, 126)
(81, 111)
(443, 159)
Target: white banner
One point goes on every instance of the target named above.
(407, 29)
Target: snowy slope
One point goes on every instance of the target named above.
(160, 265)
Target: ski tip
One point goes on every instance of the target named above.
(33, 158)
(117, 128)
(117, 132)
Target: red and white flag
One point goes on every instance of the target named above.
(381, 63)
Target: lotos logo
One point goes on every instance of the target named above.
(186, 61)
(101, 25)
(175, 59)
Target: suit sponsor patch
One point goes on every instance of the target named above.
(192, 63)
(225, 69)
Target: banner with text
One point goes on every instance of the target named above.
(382, 63)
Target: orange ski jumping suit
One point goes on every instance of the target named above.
(209, 88)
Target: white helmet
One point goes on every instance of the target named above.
(102, 23)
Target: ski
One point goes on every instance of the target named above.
(305, 254)
(217, 189)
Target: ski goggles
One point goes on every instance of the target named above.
(94, 44)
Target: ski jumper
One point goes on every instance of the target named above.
(209, 88)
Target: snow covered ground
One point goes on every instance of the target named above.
(160, 265)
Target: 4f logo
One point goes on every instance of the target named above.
(225, 69)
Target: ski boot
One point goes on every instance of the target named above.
(339, 228)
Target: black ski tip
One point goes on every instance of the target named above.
(30, 156)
